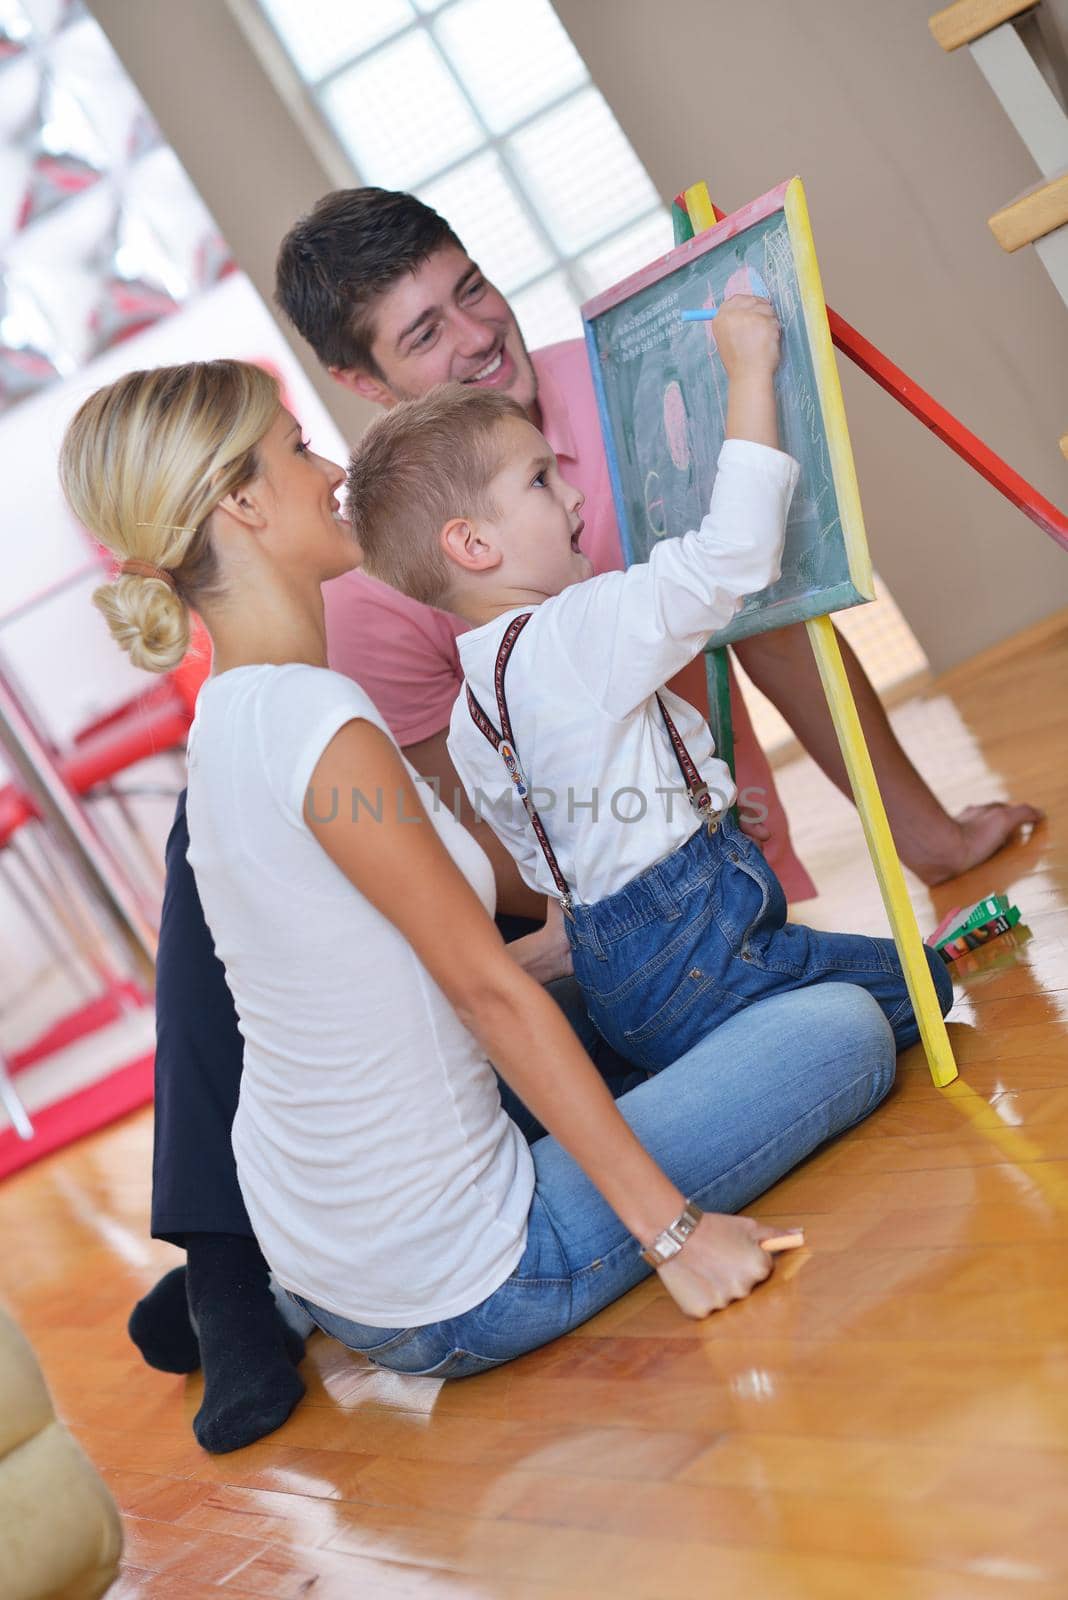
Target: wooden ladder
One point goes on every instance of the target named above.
(1039, 216)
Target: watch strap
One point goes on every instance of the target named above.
(671, 1239)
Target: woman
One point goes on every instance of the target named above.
(393, 1195)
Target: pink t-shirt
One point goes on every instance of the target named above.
(404, 654)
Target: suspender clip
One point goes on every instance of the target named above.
(701, 800)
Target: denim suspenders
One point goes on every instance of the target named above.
(504, 744)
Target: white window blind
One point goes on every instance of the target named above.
(484, 109)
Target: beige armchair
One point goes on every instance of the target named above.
(60, 1534)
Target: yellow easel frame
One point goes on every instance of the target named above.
(824, 640)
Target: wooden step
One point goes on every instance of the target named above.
(1037, 212)
(969, 19)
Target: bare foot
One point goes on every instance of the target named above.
(983, 831)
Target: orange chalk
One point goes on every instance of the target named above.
(783, 1241)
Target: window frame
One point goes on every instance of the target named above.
(302, 97)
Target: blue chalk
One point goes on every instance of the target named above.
(757, 286)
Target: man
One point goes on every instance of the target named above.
(392, 304)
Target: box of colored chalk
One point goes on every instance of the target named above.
(971, 938)
(973, 916)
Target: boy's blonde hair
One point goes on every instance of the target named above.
(143, 465)
(421, 464)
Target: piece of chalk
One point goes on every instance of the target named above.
(783, 1241)
(698, 316)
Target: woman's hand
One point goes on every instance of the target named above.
(545, 955)
(721, 1261)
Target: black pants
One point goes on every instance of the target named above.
(199, 1053)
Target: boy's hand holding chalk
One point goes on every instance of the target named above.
(747, 335)
(747, 342)
(754, 285)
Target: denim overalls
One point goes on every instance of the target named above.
(702, 934)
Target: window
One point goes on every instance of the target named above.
(486, 111)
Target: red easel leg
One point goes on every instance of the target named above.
(947, 428)
(942, 423)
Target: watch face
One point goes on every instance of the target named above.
(671, 1240)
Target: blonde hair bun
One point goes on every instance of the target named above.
(146, 619)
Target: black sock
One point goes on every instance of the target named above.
(247, 1351)
(159, 1326)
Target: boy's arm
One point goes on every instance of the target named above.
(747, 337)
(626, 633)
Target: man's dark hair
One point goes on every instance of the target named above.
(335, 262)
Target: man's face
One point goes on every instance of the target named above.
(443, 323)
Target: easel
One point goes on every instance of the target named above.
(694, 213)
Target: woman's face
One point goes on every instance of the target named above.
(298, 494)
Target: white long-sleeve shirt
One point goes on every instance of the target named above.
(581, 686)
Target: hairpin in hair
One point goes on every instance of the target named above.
(165, 527)
(146, 569)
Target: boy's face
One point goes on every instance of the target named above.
(443, 323)
(536, 523)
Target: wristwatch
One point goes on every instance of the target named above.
(671, 1239)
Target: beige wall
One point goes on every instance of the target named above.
(904, 152)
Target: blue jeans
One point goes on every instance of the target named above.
(725, 1122)
(698, 937)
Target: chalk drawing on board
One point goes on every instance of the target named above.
(673, 447)
(654, 506)
(676, 425)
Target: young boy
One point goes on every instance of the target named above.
(604, 786)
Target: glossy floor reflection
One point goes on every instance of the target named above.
(888, 1417)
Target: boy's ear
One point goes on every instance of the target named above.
(364, 384)
(466, 547)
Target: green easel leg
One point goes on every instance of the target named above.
(680, 223)
(717, 674)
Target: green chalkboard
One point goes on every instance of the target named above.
(663, 399)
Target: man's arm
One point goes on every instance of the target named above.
(430, 758)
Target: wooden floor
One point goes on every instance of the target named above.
(888, 1417)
